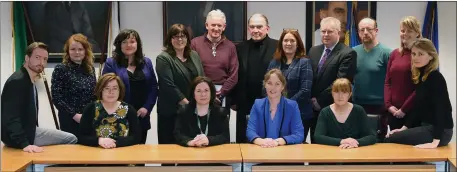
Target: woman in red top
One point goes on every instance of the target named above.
(398, 86)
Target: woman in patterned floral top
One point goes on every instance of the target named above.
(73, 82)
(109, 122)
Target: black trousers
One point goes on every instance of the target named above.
(165, 128)
(419, 135)
(241, 126)
(67, 124)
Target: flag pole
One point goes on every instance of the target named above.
(43, 74)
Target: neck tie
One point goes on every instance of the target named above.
(324, 58)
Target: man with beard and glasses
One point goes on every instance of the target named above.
(218, 56)
(19, 106)
(254, 56)
(371, 69)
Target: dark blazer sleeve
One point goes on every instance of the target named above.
(222, 127)
(296, 127)
(251, 131)
(88, 135)
(306, 81)
(346, 69)
(133, 137)
(181, 130)
(108, 67)
(152, 97)
(165, 75)
(11, 112)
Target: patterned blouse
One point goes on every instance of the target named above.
(122, 125)
(72, 88)
(111, 125)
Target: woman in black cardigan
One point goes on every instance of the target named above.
(432, 107)
(201, 122)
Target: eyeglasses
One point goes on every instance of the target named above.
(177, 37)
(290, 29)
(366, 29)
(106, 89)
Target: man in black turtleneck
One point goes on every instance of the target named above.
(254, 56)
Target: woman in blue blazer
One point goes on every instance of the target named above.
(291, 60)
(275, 120)
(137, 74)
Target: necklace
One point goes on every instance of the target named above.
(182, 59)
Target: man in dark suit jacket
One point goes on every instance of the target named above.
(64, 19)
(330, 60)
(254, 56)
(19, 106)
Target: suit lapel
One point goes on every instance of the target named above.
(333, 54)
(317, 57)
(194, 62)
(292, 65)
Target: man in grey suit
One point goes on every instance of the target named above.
(330, 60)
(64, 19)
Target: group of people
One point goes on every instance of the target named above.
(279, 91)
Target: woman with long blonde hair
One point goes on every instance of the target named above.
(432, 107)
(398, 86)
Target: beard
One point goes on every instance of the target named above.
(37, 69)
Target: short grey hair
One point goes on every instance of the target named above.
(332, 21)
(259, 15)
(216, 13)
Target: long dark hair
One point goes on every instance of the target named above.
(212, 89)
(174, 30)
(119, 56)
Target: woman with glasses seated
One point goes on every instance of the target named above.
(275, 120)
(296, 67)
(202, 122)
(109, 122)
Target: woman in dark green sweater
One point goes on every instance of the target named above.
(342, 123)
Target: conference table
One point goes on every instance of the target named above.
(320, 154)
(233, 157)
(228, 154)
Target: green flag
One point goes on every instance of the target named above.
(19, 34)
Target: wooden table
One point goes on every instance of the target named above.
(140, 169)
(347, 168)
(138, 154)
(15, 164)
(383, 152)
